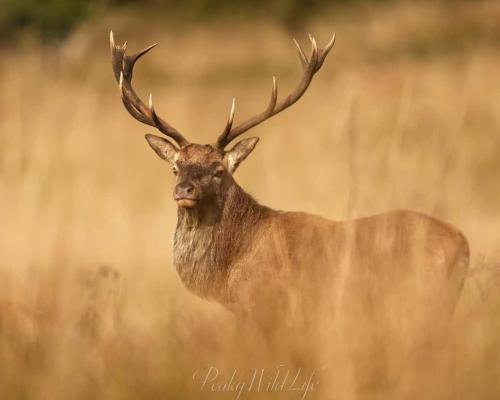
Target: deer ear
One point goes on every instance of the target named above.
(163, 148)
(239, 152)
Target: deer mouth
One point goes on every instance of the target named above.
(186, 202)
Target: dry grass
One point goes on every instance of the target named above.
(405, 114)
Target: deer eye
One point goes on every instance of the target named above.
(175, 171)
(219, 173)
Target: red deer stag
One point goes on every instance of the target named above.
(251, 258)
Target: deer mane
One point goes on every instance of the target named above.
(206, 242)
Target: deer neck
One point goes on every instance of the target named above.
(208, 240)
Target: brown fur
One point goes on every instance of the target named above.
(208, 242)
(279, 270)
(248, 256)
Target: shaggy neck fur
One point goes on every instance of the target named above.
(208, 239)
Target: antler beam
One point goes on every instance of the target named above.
(123, 66)
(310, 67)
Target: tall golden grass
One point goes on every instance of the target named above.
(405, 114)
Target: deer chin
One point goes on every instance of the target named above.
(186, 203)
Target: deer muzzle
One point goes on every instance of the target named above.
(186, 195)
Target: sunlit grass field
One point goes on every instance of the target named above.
(404, 114)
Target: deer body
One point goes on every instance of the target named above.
(249, 257)
(256, 260)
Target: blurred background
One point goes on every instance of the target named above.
(405, 113)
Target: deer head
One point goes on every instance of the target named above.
(204, 172)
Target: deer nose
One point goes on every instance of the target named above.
(184, 190)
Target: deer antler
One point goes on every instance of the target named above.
(123, 66)
(310, 67)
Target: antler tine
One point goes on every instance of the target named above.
(130, 61)
(158, 121)
(314, 51)
(229, 123)
(123, 66)
(117, 53)
(302, 56)
(223, 141)
(310, 67)
(131, 108)
(324, 51)
(274, 96)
